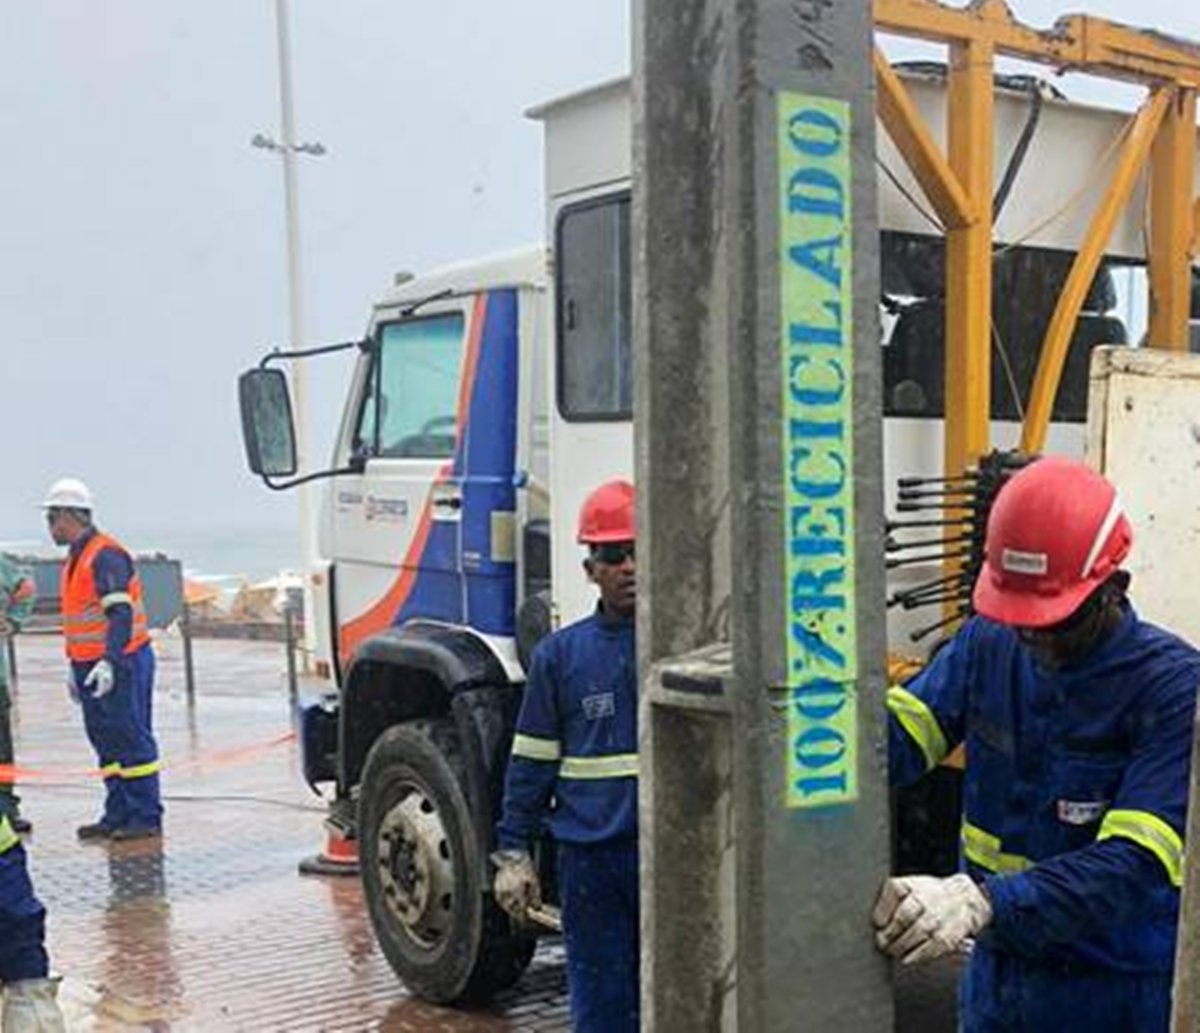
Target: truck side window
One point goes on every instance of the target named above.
(595, 374)
(411, 410)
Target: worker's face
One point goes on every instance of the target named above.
(1068, 643)
(612, 568)
(63, 524)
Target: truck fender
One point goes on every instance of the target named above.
(425, 669)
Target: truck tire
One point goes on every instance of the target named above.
(424, 875)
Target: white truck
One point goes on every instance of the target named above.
(489, 397)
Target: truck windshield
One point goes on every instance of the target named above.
(413, 415)
(595, 375)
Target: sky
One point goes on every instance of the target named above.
(142, 237)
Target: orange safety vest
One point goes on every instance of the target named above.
(85, 627)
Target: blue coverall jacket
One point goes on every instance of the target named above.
(1074, 805)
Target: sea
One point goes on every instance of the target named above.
(225, 556)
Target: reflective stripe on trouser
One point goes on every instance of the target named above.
(119, 728)
(1003, 993)
(598, 887)
(22, 917)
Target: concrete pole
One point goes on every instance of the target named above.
(759, 465)
(1185, 1010)
(296, 315)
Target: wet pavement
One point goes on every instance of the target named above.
(212, 928)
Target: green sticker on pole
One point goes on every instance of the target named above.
(816, 260)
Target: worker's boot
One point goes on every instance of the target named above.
(31, 1006)
(96, 830)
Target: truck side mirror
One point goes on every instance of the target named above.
(267, 429)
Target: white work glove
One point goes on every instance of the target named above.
(100, 679)
(516, 887)
(30, 1006)
(920, 917)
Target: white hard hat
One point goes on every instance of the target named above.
(68, 493)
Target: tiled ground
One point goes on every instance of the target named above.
(213, 929)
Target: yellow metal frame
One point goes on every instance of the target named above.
(959, 185)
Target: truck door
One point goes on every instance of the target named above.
(412, 534)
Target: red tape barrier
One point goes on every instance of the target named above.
(218, 759)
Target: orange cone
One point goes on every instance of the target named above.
(340, 856)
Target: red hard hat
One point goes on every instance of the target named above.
(1056, 532)
(607, 514)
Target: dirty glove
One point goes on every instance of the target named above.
(516, 887)
(30, 1007)
(920, 917)
(100, 679)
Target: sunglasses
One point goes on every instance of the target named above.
(613, 553)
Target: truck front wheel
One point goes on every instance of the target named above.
(424, 873)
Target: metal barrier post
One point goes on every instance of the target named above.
(289, 634)
(189, 670)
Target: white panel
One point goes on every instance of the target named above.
(1145, 436)
(1072, 153)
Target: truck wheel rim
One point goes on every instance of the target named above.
(416, 867)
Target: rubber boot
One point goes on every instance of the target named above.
(31, 1006)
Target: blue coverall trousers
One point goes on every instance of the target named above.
(22, 922)
(118, 726)
(1003, 993)
(598, 887)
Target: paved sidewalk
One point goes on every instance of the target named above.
(213, 929)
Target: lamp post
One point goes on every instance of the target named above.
(287, 148)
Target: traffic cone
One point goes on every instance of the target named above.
(340, 856)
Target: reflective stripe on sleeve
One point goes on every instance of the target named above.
(531, 747)
(983, 849)
(614, 765)
(920, 724)
(115, 599)
(8, 838)
(1149, 831)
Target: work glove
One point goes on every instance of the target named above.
(100, 679)
(30, 1006)
(516, 887)
(920, 917)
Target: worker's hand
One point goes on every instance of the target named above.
(6, 626)
(516, 887)
(920, 917)
(100, 679)
(73, 688)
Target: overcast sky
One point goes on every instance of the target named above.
(141, 237)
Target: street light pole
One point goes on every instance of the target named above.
(287, 148)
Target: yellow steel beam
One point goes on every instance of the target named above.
(969, 255)
(1080, 41)
(1172, 193)
(916, 144)
(1130, 161)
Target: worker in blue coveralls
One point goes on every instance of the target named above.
(112, 664)
(574, 769)
(1077, 718)
(30, 994)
